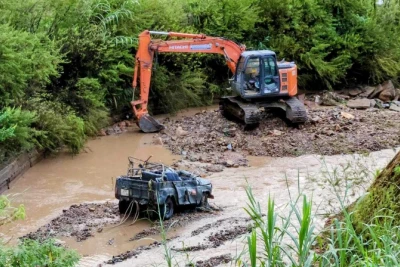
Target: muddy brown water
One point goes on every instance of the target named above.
(60, 181)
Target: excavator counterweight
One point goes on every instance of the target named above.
(259, 81)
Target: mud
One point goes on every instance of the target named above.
(133, 253)
(216, 224)
(222, 236)
(79, 221)
(232, 228)
(177, 221)
(215, 261)
(209, 137)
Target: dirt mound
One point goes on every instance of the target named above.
(215, 261)
(79, 221)
(211, 138)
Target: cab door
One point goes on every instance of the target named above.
(186, 191)
(270, 75)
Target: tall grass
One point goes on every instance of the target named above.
(293, 241)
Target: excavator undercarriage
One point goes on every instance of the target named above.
(250, 113)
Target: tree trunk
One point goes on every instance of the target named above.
(383, 196)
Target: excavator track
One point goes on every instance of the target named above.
(246, 112)
(295, 110)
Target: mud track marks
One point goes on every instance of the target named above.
(79, 221)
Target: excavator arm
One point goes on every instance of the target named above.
(188, 43)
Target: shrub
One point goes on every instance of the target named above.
(59, 125)
(32, 253)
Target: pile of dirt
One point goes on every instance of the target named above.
(215, 261)
(210, 138)
(79, 221)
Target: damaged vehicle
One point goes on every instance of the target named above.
(159, 190)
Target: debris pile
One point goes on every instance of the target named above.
(79, 221)
(363, 97)
(209, 138)
(117, 128)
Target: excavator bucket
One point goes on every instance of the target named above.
(149, 125)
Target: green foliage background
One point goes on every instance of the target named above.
(66, 65)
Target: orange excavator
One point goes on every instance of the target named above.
(259, 80)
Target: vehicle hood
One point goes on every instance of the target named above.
(203, 182)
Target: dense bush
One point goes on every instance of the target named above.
(80, 53)
(16, 131)
(30, 252)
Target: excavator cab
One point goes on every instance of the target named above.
(257, 75)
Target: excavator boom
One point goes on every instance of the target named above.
(191, 43)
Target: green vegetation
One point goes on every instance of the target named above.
(292, 241)
(67, 65)
(30, 252)
(33, 253)
(9, 213)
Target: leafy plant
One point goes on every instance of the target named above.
(33, 253)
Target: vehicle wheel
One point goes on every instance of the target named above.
(123, 206)
(167, 210)
(204, 201)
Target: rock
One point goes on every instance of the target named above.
(394, 107)
(158, 141)
(230, 132)
(128, 123)
(276, 132)
(301, 97)
(331, 99)
(310, 104)
(229, 163)
(338, 128)
(388, 93)
(345, 97)
(354, 92)
(113, 130)
(214, 168)
(378, 103)
(102, 132)
(122, 124)
(368, 90)
(376, 92)
(315, 119)
(396, 102)
(181, 132)
(373, 103)
(91, 209)
(229, 146)
(397, 96)
(347, 115)
(362, 103)
(317, 99)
